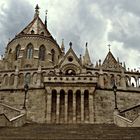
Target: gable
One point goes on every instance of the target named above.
(70, 60)
(110, 62)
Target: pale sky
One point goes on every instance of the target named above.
(98, 22)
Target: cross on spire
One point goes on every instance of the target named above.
(109, 46)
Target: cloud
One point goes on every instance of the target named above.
(97, 22)
(14, 16)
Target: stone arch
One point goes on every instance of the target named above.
(133, 81)
(118, 80)
(17, 51)
(112, 80)
(138, 82)
(42, 53)
(53, 106)
(89, 73)
(128, 81)
(53, 55)
(29, 51)
(105, 79)
(20, 79)
(34, 78)
(11, 80)
(5, 80)
(27, 78)
(70, 69)
(97, 74)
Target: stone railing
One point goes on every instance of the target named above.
(70, 79)
(10, 116)
(128, 118)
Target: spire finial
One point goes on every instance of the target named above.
(86, 44)
(109, 46)
(70, 44)
(36, 11)
(46, 13)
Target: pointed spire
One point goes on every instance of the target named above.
(46, 18)
(36, 11)
(86, 57)
(62, 46)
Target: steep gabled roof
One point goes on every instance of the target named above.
(36, 26)
(110, 62)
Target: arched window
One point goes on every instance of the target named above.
(29, 52)
(53, 54)
(42, 52)
(17, 52)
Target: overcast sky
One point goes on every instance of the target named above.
(98, 22)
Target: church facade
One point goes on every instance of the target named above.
(55, 86)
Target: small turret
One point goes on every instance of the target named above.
(86, 57)
(62, 46)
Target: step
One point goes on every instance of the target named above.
(69, 131)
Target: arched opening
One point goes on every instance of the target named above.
(112, 80)
(21, 79)
(35, 78)
(53, 55)
(133, 82)
(78, 106)
(53, 106)
(5, 80)
(17, 51)
(29, 51)
(42, 52)
(105, 78)
(139, 82)
(127, 80)
(32, 32)
(86, 106)
(62, 106)
(70, 72)
(27, 78)
(11, 82)
(70, 106)
(118, 80)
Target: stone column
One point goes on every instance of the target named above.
(16, 77)
(66, 107)
(39, 76)
(57, 108)
(49, 99)
(82, 107)
(74, 108)
(91, 119)
(101, 79)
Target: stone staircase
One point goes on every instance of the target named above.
(70, 131)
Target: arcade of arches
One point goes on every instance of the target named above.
(69, 106)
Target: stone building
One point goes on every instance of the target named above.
(62, 87)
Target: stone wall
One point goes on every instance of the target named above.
(103, 103)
